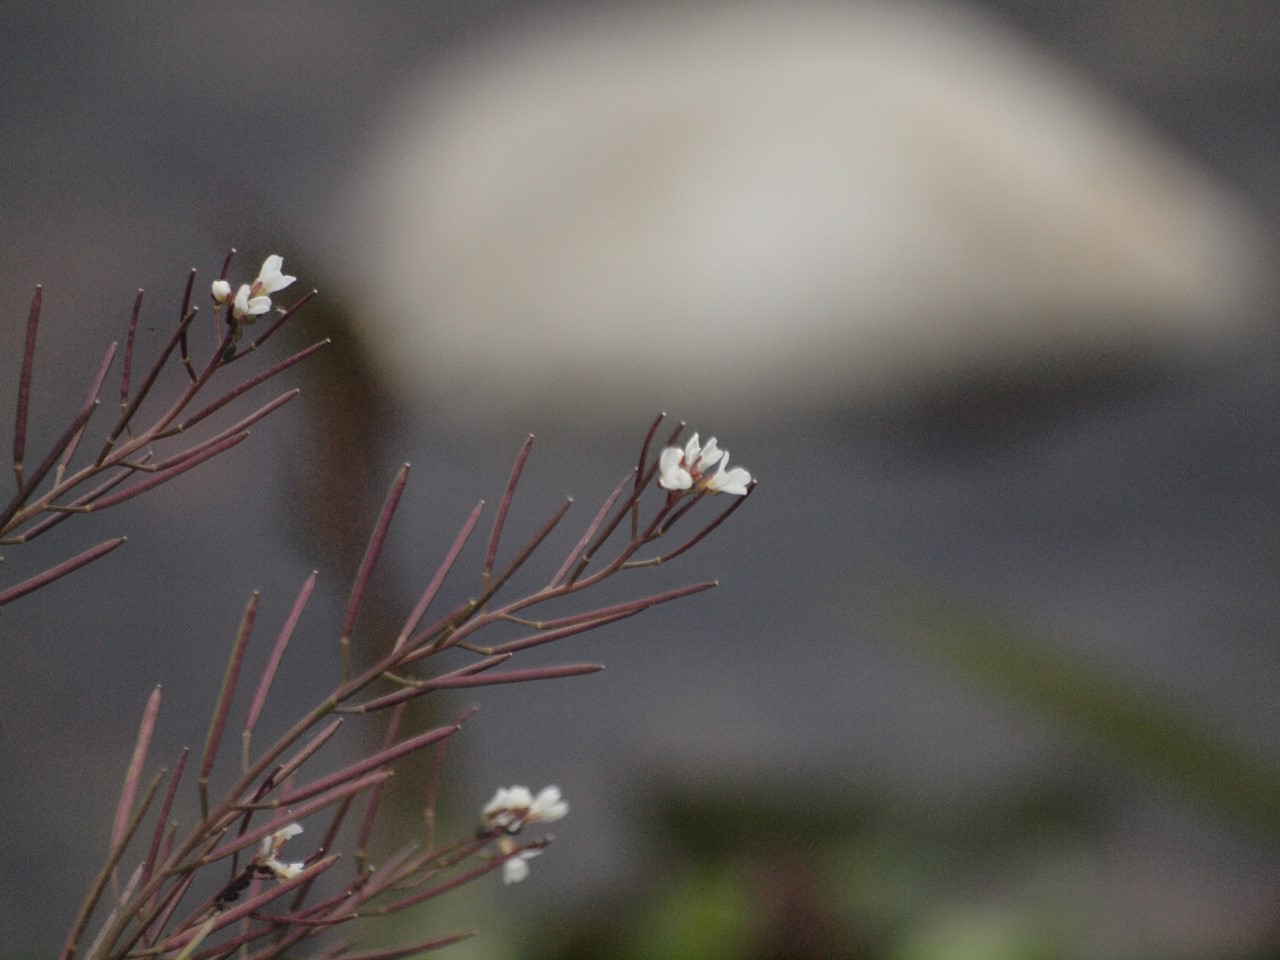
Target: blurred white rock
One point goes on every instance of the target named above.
(756, 210)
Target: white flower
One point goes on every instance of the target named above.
(517, 868)
(513, 807)
(254, 298)
(686, 469)
(734, 481)
(678, 469)
(270, 279)
(547, 806)
(247, 304)
(271, 846)
(221, 291)
(672, 474)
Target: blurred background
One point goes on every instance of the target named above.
(983, 293)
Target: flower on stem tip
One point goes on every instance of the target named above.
(513, 807)
(508, 812)
(254, 298)
(681, 469)
(271, 844)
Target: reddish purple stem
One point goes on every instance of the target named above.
(441, 572)
(162, 816)
(277, 652)
(372, 763)
(500, 518)
(223, 708)
(300, 813)
(24, 385)
(581, 545)
(164, 476)
(91, 402)
(372, 551)
(250, 384)
(127, 369)
(515, 676)
(61, 570)
(133, 775)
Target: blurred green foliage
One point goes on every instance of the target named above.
(798, 871)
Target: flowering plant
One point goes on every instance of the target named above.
(223, 884)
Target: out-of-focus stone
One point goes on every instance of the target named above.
(757, 210)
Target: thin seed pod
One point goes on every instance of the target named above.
(90, 403)
(496, 583)
(24, 386)
(201, 933)
(549, 636)
(60, 570)
(254, 904)
(644, 450)
(273, 661)
(164, 476)
(183, 354)
(500, 518)
(162, 816)
(515, 676)
(431, 892)
(392, 871)
(456, 619)
(643, 476)
(133, 774)
(127, 367)
(248, 385)
(422, 687)
(628, 606)
(433, 781)
(99, 885)
(337, 952)
(371, 763)
(145, 389)
(241, 426)
(302, 812)
(705, 531)
(374, 797)
(587, 534)
(284, 318)
(437, 579)
(361, 582)
(162, 909)
(326, 842)
(33, 480)
(121, 898)
(58, 513)
(290, 767)
(223, 707)
(627, 509)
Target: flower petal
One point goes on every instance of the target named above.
(733, 481)
(548, 806)
(270, 279)
(517, 868)
(708, 455)
(672, 474)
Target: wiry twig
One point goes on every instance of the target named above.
(24, 388)
(243, 827)
(36, 506)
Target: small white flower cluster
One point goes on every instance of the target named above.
(510, 810)
(254, 298)
(267, 860)
(681, 469)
